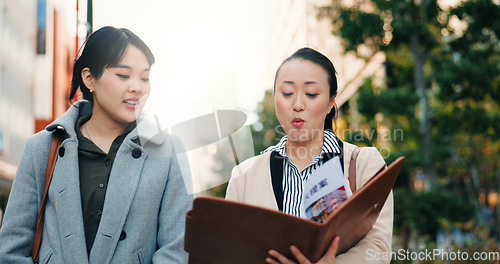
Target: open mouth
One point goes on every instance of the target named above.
(131, 102)
(298, 122)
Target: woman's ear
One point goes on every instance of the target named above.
(332, 102)
(88, 79)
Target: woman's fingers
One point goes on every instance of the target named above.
(271, 261)
(329, 256)
(281, 258)
(299, 256)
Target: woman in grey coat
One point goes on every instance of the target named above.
(117, 194)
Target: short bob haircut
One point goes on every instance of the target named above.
(104, 49)
(320, 59)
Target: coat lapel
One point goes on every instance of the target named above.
(65, 195)
(260, 171)
(122, 186)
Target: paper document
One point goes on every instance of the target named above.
(324, 191)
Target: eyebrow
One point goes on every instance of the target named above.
(128, 67)
(309, 82)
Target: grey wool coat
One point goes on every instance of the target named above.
(143, 219)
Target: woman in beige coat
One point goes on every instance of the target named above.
(304, 94)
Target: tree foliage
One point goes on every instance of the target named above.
(267, 131)
(442, 85)
(437, 205)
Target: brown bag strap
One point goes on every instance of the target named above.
(54, 146)
(352, 169)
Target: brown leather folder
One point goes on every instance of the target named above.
(220, 231)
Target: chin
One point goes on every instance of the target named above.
(129, 119)
(304, 135)
(299, 137)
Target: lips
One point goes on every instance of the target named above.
(131, 103)
(298, 122)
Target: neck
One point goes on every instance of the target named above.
(104, 130)
(104, 125)
(302, 153)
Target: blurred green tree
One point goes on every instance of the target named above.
(267, 131)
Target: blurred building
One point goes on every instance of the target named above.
(55, 54)
(37, 48)
(17, 68)
(297, 25)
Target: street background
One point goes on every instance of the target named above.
(418, 78)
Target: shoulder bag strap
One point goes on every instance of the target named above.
(352, 169)
(54, 146)
(277, 178)
(341, 156)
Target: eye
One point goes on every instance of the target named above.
(311, 95)
(123, 76)
(145, 79)
(287, 94)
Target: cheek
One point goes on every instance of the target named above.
(322, 107)
(110, 85)
(280, 107)
(147, 88)
(319, 111)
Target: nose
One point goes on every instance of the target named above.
(298, 104)
(135, 86)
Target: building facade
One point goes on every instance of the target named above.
(17, 69)
(37, 48)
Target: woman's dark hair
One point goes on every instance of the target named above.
(104, 49)
(320, 59)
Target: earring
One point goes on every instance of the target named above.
(91, 91)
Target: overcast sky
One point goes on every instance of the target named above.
(209, 54)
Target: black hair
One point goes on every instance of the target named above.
(104, 49)
(320, 59)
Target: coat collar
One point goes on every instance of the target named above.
(146, 132)
(67, 121)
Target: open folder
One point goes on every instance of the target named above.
(220, 231)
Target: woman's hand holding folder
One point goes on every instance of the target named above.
(328, 258)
